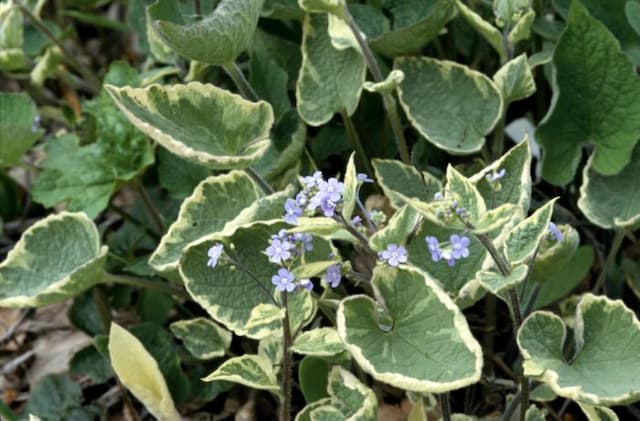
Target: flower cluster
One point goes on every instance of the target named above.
(447, 207)
(283, 249)
(393, 255)
(457, 248)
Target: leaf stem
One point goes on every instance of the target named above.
(264, 185)
(387, 98)
(356, 144)
(285, 410)
(138, 282)
(445, 406)
(613, 252)
(241, 82)
(86, 73)
(155, 215)
(361, 238)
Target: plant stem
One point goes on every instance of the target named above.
(197, 9)
(266, 187)
(240, 81)
(85, 72)
(387, 98)
(498, 136)
(285, 414)
(356, 144)
(445, 405)
(157, 219)
(613, 252)
(361, 238)
(135, 281)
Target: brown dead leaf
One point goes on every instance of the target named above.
(387, 412)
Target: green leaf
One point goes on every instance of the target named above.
(400, 182)
(139, 372)
(305, 413)
(56, 258)
(218, 38)
(488, 31)
(179, 176)
(203, 338)
(391, 82)
(319, 342)
(310, 270)
(416, 23)
(57, 397)
(397, 230)
(612, 201)
(419, 340)
(202, 123)
(515, 186)
(330, 80)
(554, 254)
(449, 104)
(336, 7)
(270, 81)
(353, 399)
(313, 374)
(323, 227)
(253, 371)
(154, 306)
(351, 190)
(90, 362)
(523, 240)
(498, 284)
(632, 11)
(16, 127)
(47, 66)
(515, 80)
(598, 413)
(599, 87)
(213, 206)
(522, 29)
(12, 56)
(605, 368)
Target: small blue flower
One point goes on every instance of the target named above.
(313, 180)
(291, 211)
(306, 284)
(333, 276)
(302, 199)
(438, 196)
(283, 281)
(356, 221)
(434, 248)
(459, 246)
(363, 178)
(214, 254)
(495, 175)
(394, 255)
(304, 239)
(327, 205)
(555, 232)
(331, 188)
(279, 251)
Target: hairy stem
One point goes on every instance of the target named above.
(356, 144)
(285, 410)
(240, 81)
(613, 252)
(388, 99)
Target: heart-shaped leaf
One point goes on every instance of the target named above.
(451, 105)
(253, 371)
(199, 122)
(56, 258)
(582, 83)
(218, 38)
(612, 201)
(330, 80)
(203, 338)
(139, 372)
(605, 369)
(414, 337)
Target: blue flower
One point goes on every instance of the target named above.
(214, 254)
(302, 199)
(555, 232)
(459, 246)
(306, 284)
(327, 205)
(304, 239)
(283, 281)
(363, 178)
(333, 276)
(394, 255)
(331, 188)
(279, 251)
(356, 221)
(291, 211)
(434, 248)
(495, 175)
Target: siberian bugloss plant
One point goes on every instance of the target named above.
(327, 221)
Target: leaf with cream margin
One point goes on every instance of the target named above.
(391, 82)
(253, 371)
(400, 182)
(229, 294)
(200, 122)
(139, 372)
(319, 342)
(553, 254)
(214, 204)
(488, 31)
(515, 80)
(335, 7)
(597, 413)
(596, 100)
(523, 240)
(449, 104)
(218, 38)
(515, 186)
(414, 337)
(498, 284)
(612, 201)
(351, 190)
(416, 23)
(330, 80)
(605, 369)
(203, 338)
(399, 227)
(56, 258)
